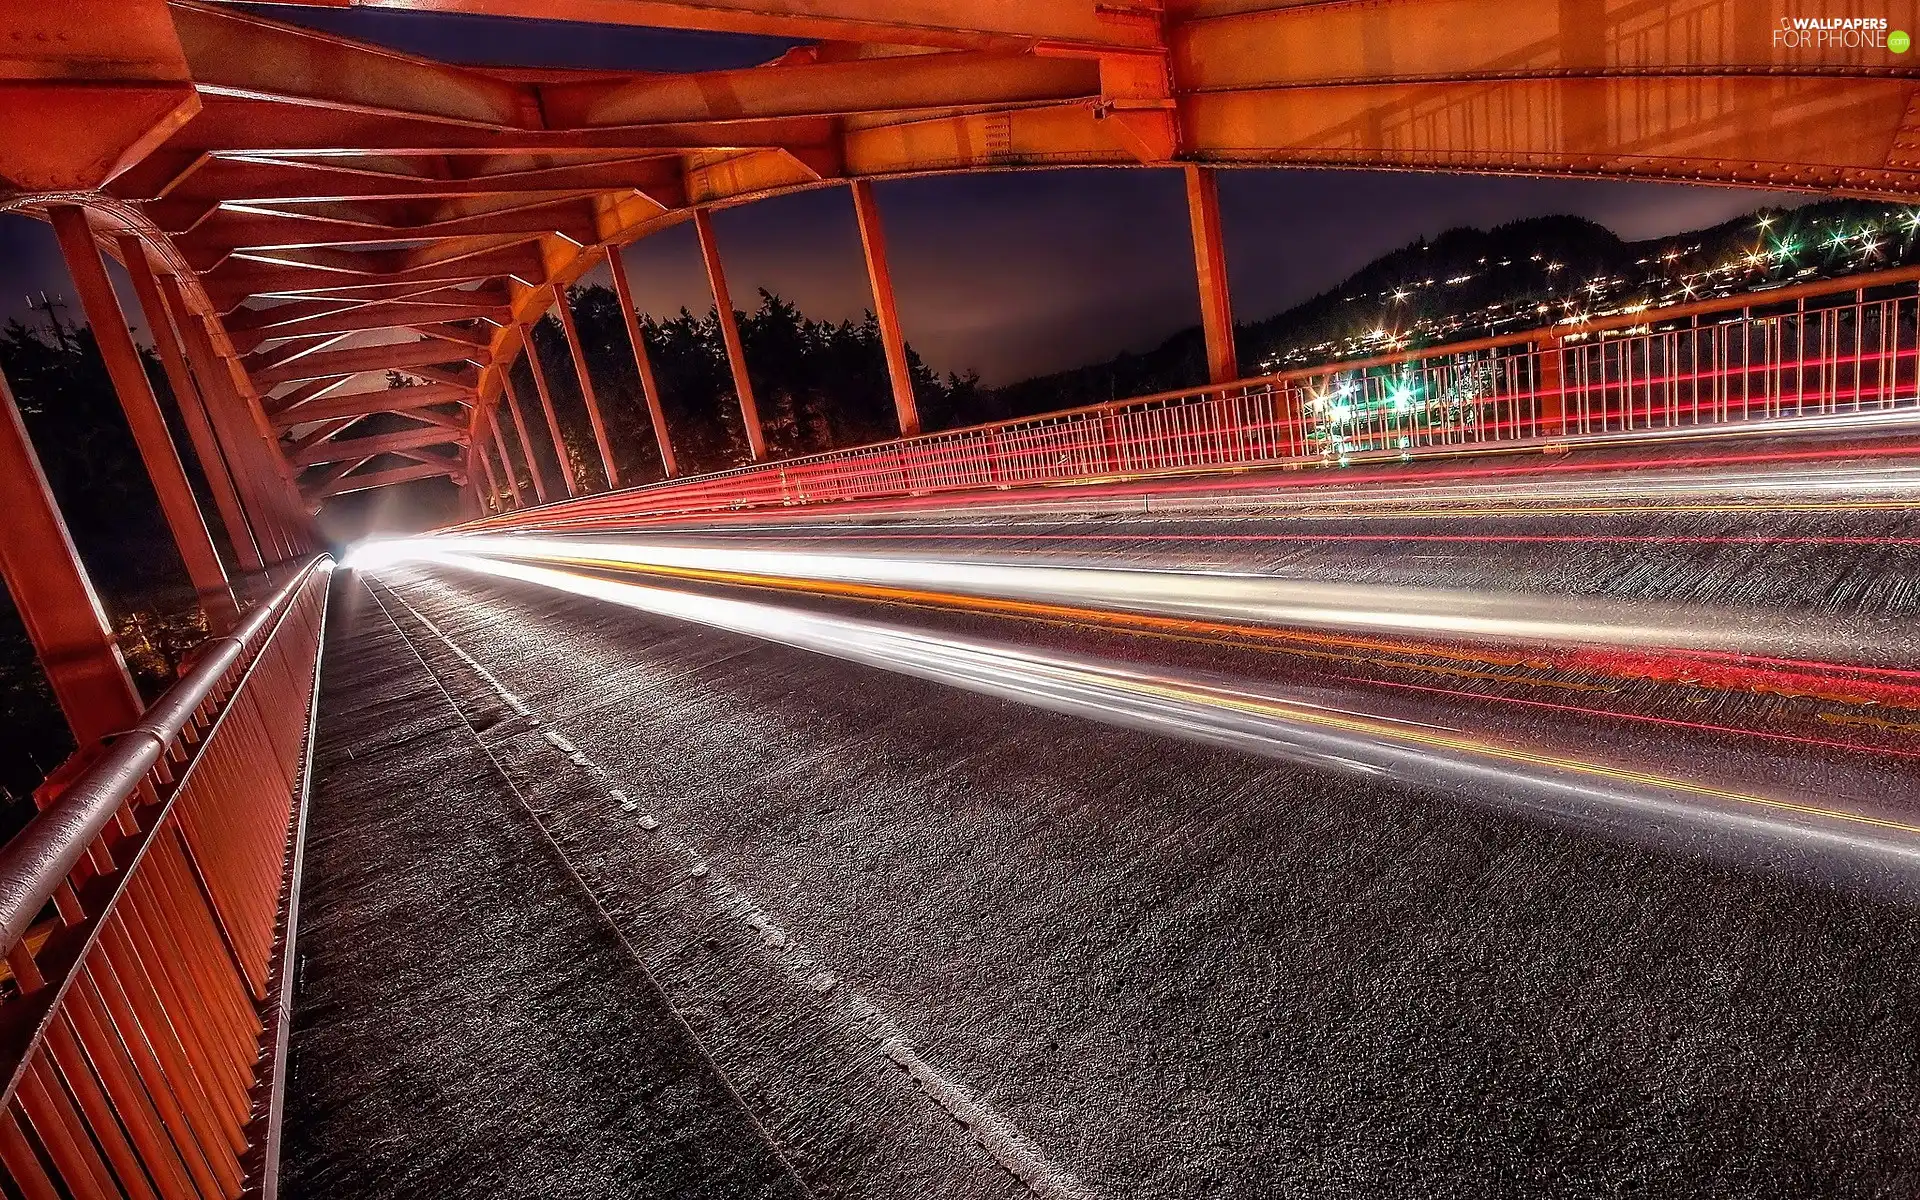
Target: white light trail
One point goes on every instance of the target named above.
(1647, 805)
(1264, 601)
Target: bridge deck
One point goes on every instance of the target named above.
(940, 944)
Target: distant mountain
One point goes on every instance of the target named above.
(1469, 283)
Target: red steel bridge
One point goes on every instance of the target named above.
(301, 214)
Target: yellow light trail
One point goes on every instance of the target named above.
(1637, 801)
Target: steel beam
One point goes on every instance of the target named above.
(510, 397)
(142, 408)
(874, 243)
(247, 452)
(53, 595)
(364, 404)
(1069, 24)
(492, 418)
(327, 364)
(89, 88)
(642, 361)
(192, 405)
(490, 303)
(366, 319)
(894, 84)
(387, 478)
(730, 333)
(609, 469)
(539, 372)
(339, 450)
(1210, 268)
(494, 499)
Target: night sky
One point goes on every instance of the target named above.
(1009, 274)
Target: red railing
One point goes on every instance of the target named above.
(144, 915)
(1837, 350)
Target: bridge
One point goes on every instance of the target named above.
(1490, 764)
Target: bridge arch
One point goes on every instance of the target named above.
(306, 186)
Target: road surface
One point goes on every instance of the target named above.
(692, 911)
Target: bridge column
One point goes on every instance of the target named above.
(527, 340)
(572, 330)
(53, 595)
(730, 333)
(642, 361)
(142, 409)
(193, 406)
(245, 452)
(511, 398)
(1550, 396)
(286, 494)
(492, 419)
(490, 500)
(873, 241)
(1210, 266)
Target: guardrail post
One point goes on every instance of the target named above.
(53, 595)
(730, 334)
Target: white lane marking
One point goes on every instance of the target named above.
(1002, 1141)
(508, 698)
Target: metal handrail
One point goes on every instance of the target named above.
(132, 1049)
(1551, 366)
(37, 860)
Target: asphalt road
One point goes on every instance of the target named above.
(899, 938)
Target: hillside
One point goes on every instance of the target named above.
(1468, 283)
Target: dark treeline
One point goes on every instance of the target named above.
(819, 385)
(1581, 248)
(93, 466)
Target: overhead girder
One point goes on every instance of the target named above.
(398, 356)
(237, 54)
(370, 318)
(340, 449)
(229, 230)
(1767, 131)
(345, 483)
(1068, 25)
(457, 422)
(365, 404)
(242, 280)
(486, 303)
(906, 85)
(227, 124)
(89, 88)
(262, 179)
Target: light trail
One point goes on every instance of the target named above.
(1852, 837)
(1272, 601)
(1786, 480)
(833, 534)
